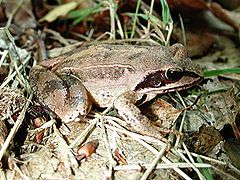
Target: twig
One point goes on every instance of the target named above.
(179, 171)
(169, 30)
(109, 152)
(112, 18)
(3, 56)
(201, 177)
(152, 149)
(21, 79)
(13, 13)
(150, 13)
(194, 103)
(164, 159)
(135, 18)
(233, 168)
(135, 135)
(66, 147)
(154, 163)
(182, 121)
(160, 166)
(106, 142)
(80, 139)
(205, 157)
(57, 36)
(10, 77)
(120, 29)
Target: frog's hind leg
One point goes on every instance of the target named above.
(65, 95)
(77, 95)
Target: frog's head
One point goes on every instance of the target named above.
(176, 73)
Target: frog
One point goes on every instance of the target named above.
(119, 76)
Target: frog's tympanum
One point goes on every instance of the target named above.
(112, 75)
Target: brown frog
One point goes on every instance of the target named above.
(112, 75)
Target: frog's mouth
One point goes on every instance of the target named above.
(185, 83)
(186, 86)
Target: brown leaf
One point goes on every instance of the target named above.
(205, 139)
(39, 136)
(232, 147)
(165, 113)
(23, 17)
(38, 122)
(87, 149)
(120, 158)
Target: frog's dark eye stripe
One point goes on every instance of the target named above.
(153, 80)
(160, 78)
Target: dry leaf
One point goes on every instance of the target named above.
(165, 113)
(120, 157)
(59, 11)
(23, 18)
(87, 149)
(204, 140)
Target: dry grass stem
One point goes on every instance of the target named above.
(201, 177)
(57, 36)
(159, 155)
(164, 159)
(205, 157)
(82, 137)
(112, 162)
(150, 13)
(64, 149)
(10, 18)
(3, 56)
(135, 135)
(160, 166)
(112, 12)
(182, 120)
(12, 75)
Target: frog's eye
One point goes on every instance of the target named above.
(174, 74)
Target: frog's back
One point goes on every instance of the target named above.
(108, 70)
(135, 56)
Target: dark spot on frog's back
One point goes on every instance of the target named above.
(108, 72)
(135, 56)
(52, 85)
(103, 54)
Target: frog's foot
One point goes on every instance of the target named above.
(147, 128)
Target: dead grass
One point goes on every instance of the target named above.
(55, 155)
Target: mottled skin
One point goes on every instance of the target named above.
(112, 75)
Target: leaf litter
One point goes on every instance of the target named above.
(53, 154)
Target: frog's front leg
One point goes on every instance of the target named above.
(125, 104)
(64, 94)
